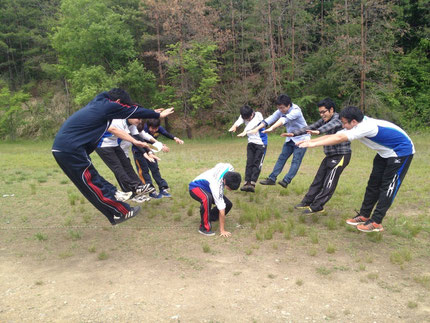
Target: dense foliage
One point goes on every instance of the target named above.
(207, 58)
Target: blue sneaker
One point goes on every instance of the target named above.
(155, 195)
(165, 193)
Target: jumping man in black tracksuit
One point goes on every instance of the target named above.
(78, 138)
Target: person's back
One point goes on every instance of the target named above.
(84, 129)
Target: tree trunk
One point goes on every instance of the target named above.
(272, 49)
(233, 36)
(160, 67)
(322, 21)
(363, 61)
(293, 35)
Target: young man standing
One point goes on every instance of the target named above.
(257, 145)
(294, 120)
(395, 151)
(332, 166)
(208, 189)
(78, 138)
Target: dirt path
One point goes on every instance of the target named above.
(174, 280)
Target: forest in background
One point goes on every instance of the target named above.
(208, 58)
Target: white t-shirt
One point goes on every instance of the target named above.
(258, 138)
(212, 181)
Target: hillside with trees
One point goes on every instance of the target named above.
(207, 58)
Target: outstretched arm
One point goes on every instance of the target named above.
(277, 124)
(125, 136)
(327, 140)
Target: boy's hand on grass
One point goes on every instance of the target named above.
(225, 234)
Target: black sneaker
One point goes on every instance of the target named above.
(206, 233)
(301, 206)
(309, 210)
(245, 187)
(267, 181)
(283, 183)
(144, 189)
(131, 214)
(251, 188)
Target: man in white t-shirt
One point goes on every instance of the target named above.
(113, 155)
(208, 189)
(395, 151)
(257, 145)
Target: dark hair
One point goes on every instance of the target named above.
(283, 99)
(121, 95)
(351, 113)
(232, 180)
(246, 112)
(154, 123)
(327, 103)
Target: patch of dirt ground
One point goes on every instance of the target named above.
(173, 274)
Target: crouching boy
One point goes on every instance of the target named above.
(208, 189)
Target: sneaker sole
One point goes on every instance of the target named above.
(136, 211)
(374, 230)
(354, 223)
(207, 234)
(314, 212)
(301, 207)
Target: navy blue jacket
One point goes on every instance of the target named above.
(161, 131)
(82, 130)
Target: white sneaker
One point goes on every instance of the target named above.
(141, 199)
(123, 196)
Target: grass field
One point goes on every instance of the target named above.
(49, 232)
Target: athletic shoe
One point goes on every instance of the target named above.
(131, 214)
(251, 188)
(370, 226)
(245, 187)
(358, 219)
(283, 183)
(267, 181)
(141, 198)
(155, 195)
(206, 233)
(165, 193)
(144, 189)
(123, 196)
(310, 211)
(301, 206)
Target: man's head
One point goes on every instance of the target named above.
(117, 94)
(153, 125)
(134, 122)
(350, 117)
(326, 109)
(283, 103)
(246, 112)
(232, 180)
